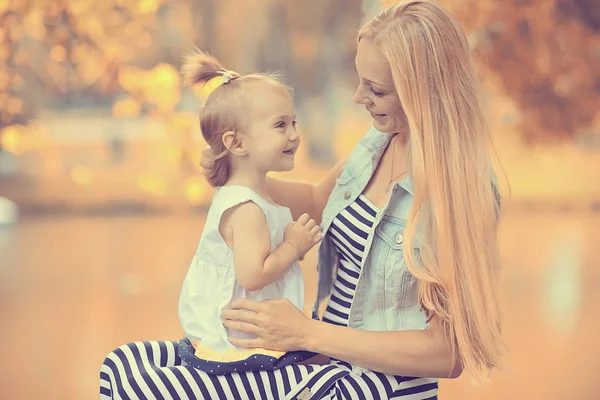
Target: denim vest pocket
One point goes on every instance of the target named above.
(388, 261)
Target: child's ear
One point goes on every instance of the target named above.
(234, 144)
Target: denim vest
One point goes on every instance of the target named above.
(386, 296)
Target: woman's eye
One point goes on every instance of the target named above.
(376, 93)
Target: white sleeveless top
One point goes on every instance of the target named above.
(210, 284)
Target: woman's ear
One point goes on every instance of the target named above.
(233, 144)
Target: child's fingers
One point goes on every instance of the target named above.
(303, 219)
(314, 230)
(317, 238)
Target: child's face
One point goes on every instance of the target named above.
(272, 139)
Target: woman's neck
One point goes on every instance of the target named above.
(401, 138)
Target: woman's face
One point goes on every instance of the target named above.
(376, 90)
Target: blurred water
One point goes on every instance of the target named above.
(72, 289)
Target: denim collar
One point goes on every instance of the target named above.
(376, 142)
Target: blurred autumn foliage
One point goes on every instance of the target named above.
(540, 60)
(74, 53)
(545, 54)
(67, 50)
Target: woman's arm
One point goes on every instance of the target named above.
(423, 353)
(279, 325)
(304, 197)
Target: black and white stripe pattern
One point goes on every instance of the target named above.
(349, 233)
(153, 370)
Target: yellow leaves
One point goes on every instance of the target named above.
(195, 191)
(116, 52)
(79, 7)
(11, 138)
(88, 63)
(92, 26)
(127, 107)
(173, 154)
(81, 175)
(58, 53)
(33, 24)
(135, 29)
(129, 78)
(4, 5)
(90, 70)
(184, 122)
(550, 77)
(166, 75)
(164, 88)
(152, 184)
(147, 6)
(159, 86)
(203, 91)
(18, 139)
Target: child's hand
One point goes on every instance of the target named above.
(302, 234)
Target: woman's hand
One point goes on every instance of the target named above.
(277, 324)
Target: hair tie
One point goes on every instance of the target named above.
(228, 75)
(225, 76)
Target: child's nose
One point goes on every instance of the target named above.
(295, 135)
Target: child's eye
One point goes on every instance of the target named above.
(280, 124)
(294, 123)
(376, 93)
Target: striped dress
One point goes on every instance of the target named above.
(153, 370)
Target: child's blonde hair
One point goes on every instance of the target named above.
(222, 109)
(455, 201)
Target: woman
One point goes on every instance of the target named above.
(409, 259)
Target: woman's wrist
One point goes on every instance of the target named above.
(309, 335)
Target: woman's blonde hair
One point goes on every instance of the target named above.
(456, 203)
(225, 109)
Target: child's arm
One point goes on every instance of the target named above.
(245, 230)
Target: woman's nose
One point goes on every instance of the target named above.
(359, 97)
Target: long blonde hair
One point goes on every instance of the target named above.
(456, 204)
